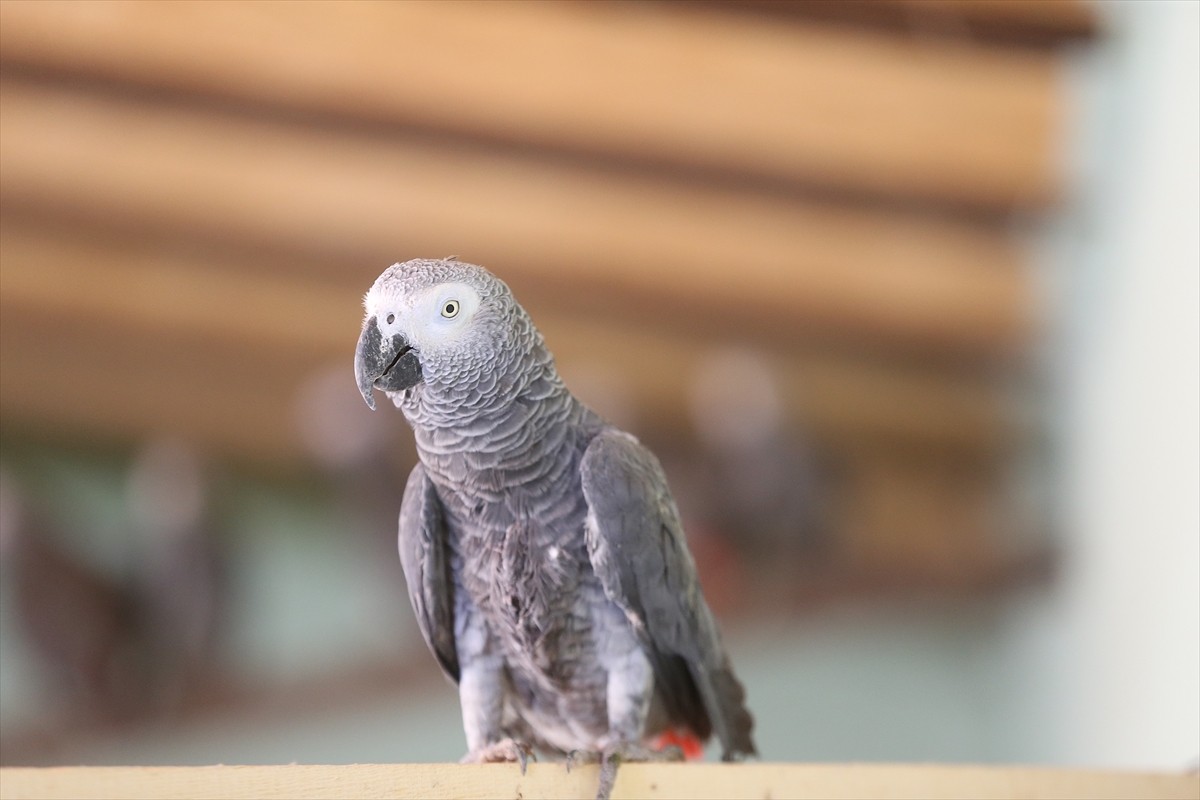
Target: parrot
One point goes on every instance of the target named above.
(543, 552)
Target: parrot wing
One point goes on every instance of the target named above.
(424, 555)
(636, 545)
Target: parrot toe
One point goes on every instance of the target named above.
(612, 756)
(577, 758)
(503, 751)
(632, 751)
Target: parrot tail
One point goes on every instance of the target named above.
(685, 740)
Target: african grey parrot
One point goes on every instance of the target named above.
(543, 553)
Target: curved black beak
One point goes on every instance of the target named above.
(391, 365)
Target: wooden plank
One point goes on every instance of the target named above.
(806, 103)
(781, 269)
(119, 341)
(1064, 18)
(130, 295)
(931, 518)
(167, 288)
(67, 381)
(1043, 23)
(694, 781)
(908, 516)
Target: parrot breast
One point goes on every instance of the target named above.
(518, 552)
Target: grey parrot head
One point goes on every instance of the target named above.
(441, 321)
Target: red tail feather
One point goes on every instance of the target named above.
(685, 740)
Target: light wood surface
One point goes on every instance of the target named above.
(692, 781)
(834, 107)
(197, 194)
(215, 347)
(748, 259)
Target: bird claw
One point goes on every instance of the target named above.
(579, 757)
(612, 756)
(671, 752)
(503, 751)
(632, 751)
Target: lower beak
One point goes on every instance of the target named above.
(391, 364)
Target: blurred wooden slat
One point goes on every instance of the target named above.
(818, 105)
(755, 264)
(83, 380)
(925, 515)
(84, 314)
(1053, 17)
(162, 289)
(66, 380)
(1026, 22)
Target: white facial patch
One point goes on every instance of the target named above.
(440, 315)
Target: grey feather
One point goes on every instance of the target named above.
(637, 548)
(424, 558)
(544, 556)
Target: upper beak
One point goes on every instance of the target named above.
(378, 364)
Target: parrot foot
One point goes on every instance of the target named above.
(612, 756)
(577, 758)
(503, 751)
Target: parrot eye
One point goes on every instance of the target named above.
(391, 318)
(450, 309)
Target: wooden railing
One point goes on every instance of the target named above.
(697, 781)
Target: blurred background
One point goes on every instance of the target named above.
(904, 293)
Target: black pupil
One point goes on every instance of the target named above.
(451, 307)
(391, 318)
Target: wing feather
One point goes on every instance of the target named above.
(637, 548)
(425, 558)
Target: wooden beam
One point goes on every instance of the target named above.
(66, 380)
(1062, 18)
(116, 340)
(160, 334)
(924, 513)
(1040, 23)
(171, 288)
(804, 103)
(758, 264)
(693, 781)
